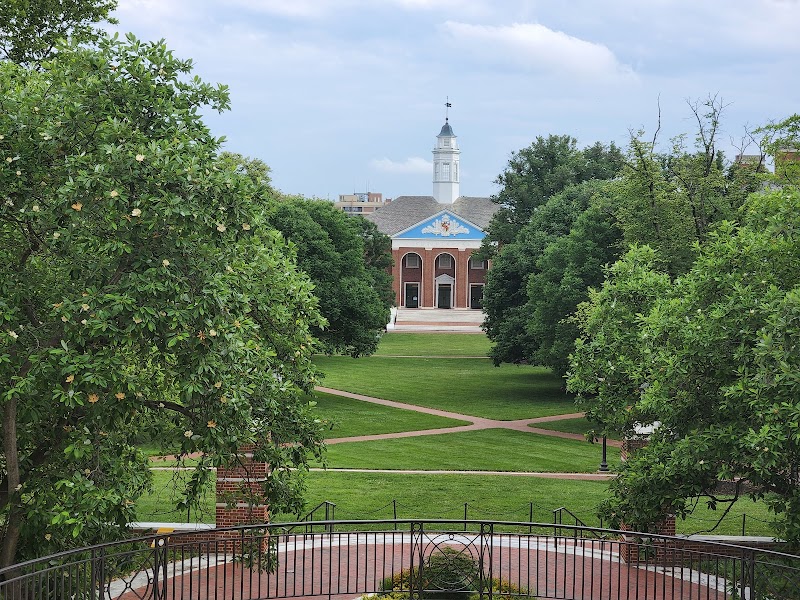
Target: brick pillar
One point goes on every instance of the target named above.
(240, 497)
(636, 549)
(428, 278)
(396, 272)
(629, 446)
(241, 501)
(462, 278)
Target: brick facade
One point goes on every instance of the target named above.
(428, 270)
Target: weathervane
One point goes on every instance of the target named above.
(447, 106)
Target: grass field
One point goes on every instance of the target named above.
(484, 450)
(350, 417)
(471, 386)
(580, 426)
(159, 505)
(433, 344)
(467, 386)
(502, 497)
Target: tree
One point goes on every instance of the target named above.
(781, 139)
(567, 268)
(138, 281)
(543, 169)
(330, 248)
(712, 359)
(254, 169)
(507, 293)
(377, 259)
(30, 29)
(671, 200)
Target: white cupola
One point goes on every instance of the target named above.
(445, 165)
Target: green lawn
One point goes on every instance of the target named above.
(484, 450)
(501, 497)
(579, 425)
(434, 344)
(159, 504)
(466, 386)
(350, 417)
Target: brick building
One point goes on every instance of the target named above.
(434, 237)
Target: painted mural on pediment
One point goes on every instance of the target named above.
(443, 225)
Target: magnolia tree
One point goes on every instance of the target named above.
(713, 357)
(138, 284)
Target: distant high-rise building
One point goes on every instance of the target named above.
(360, 203)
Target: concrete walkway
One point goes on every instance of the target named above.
(475, 423)
(455, 320)
(542, 474)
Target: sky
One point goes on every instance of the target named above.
(343, 96)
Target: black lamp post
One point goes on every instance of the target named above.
(603, 462)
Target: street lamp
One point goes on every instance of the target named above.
(603, 462)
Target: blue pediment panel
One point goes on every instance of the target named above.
(444, 225)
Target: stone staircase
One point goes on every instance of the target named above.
(454, 320)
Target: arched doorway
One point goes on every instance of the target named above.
(445, 285)
(444, 281)
(411, 280)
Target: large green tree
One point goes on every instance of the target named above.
(331, 248)
(670, 200)
(138, 282)
(540, 200)
(711, 357)
(564, 272)
(31, 29)
(543, 169)
(377, 259)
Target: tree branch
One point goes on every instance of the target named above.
(173, 406)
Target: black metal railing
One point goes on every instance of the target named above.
(325, 509)
(743, 524)
(438, 559)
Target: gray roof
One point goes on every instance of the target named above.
(406, 211)
(403, 212)
(475, 209)
(446, 130)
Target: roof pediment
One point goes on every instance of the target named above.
(445, 224)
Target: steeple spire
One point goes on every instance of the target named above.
(445, 162)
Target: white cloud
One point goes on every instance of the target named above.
(414, 164)
(534, 46)
(316, 9)
(137, 13)
(304, 9)
(463, 6)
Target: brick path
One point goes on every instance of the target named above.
(476, 423)
(344, 565)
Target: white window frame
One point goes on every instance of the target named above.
(412, 256)
(441, 261)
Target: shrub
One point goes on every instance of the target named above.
(448, 574)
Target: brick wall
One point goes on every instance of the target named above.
(240, 497)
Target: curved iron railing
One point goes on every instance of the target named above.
(409, 558)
